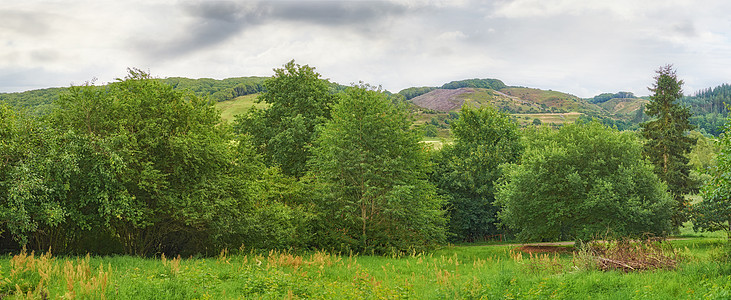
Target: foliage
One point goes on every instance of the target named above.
(218, 90)
(412, 92)
(604, 97)
(299, 101)
(465, 171)
(170, 176)
(667, 142)
(714, 212)
(371, 168)
(579, 181)
(486, 83)
(36, 102)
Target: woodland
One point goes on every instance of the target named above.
(146, 166)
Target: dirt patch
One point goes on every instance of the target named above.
(545, 249)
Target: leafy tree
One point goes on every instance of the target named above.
(173, 181)
(299, 102)
(466, 170)
(667, 140)
(579, 181)
(371, 170)
(714, 212)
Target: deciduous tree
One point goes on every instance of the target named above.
(299, 101)
(371, 169)
(466, 170)
(579, 181)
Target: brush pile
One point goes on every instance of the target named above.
(628, 255)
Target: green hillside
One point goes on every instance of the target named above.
(239, 105)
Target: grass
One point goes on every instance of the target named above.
(239, 105)
(459, 272)
(547, 118)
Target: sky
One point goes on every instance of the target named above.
(581, 47)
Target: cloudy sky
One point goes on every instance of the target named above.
(583, 47)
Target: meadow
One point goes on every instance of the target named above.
(452, 272)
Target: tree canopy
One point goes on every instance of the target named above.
(465, 171)
(714, 211)
(580, 181)
(371, 171)
(299, 101)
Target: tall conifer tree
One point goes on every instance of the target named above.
(667, 140)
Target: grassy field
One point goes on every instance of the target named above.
(237, 106)
(547, 118)
(454, 272)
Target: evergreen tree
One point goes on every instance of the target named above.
(667, 140)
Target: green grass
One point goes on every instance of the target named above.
(547, 118)
(454, 272)
(231, 108)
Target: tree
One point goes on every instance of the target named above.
(579, 181)
(371, 170)
(466, 170)
(714, 212)
(172, 179)
(299, 101)
(667, 142)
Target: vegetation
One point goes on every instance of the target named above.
(370, 168)
(579, 181)
(667, 142)
(218, 90)
(604, 97)
(299, 101)
(465, 170)
(487, 83)
(714, 212)
(469, 272)
(709, 108)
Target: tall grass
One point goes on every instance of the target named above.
(458, 272)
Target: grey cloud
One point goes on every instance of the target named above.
(215, 22)
(25, 23)
(686, 29)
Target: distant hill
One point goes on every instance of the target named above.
(623, 106)
(39, 102)
(486, 83)
(507, 99)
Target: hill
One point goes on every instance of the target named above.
(510, 99)
(623, 106)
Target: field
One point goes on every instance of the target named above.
(237, 106)
(552, 118)
(453, 272)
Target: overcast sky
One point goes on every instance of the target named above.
(582, 47)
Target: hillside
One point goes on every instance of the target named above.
(239, 105)
(514, 100)
(623, 106)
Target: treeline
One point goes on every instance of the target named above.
(604, 97)
(219, 90)
(709, 108)
(36, 102)
(39, 102)
(138, 167)
(486, 83)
